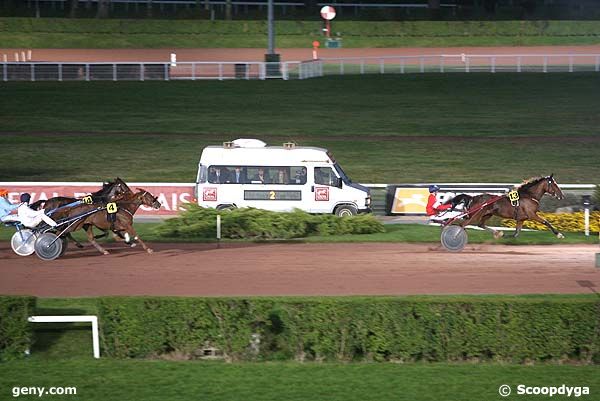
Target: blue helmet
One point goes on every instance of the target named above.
(433, 188)
(25, 197)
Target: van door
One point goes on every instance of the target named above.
(325, 191)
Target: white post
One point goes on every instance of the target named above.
(60, 72)
(220, 72)
(87, 72)
(5, 58)
(95, 337)
(141, 72)
(570, 63)
(218, 227)
(32, 72)
(23, 57)
(193, 71)
(173, 60)
(586, 216)
(29, 55)
(114, 72)
(545, 63)
(72, 319)
(17, 57)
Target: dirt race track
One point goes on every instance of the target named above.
(303, 269)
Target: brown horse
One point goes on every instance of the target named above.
(526, 208)
(121, 222)
(109, 191)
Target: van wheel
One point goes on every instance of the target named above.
(346, 210)
(225, 207)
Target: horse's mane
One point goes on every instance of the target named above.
(527, 184)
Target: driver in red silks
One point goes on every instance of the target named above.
(434, 206)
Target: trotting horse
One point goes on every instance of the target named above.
(121, 222)
(525, 208)
(109, 191)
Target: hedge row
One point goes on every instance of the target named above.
(15, 331)
(249, 223)
(569, 222)
(355, 329)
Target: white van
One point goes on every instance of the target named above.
(247, 173)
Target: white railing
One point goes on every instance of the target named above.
(490, 63)
(145, 71)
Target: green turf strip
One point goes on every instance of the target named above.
(401, 233)
(147, 33)
(167, 380)
(394, 129)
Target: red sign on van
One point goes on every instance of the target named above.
(209, 194)
(322, 193)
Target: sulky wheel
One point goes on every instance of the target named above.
(48, 246)
(22, 242)
(454, 238)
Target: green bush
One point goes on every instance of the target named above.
(250, 223)
(15, 331)
(356, 329)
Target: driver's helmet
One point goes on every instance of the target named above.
(433, 188)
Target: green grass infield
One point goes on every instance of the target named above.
(382, 129)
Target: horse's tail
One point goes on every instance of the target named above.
(460, 199)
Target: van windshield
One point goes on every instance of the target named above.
(345, 178)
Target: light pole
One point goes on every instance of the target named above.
(271, 58)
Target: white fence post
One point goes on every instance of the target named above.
(220, 71)
(87, 72)
(193, 71)
(114, 72)
(5, 72)
(32, 72)
(570, 63)
(60, 72)
(141, 71)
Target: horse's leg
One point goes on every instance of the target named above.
(472, 217)
(537, 218)
(131, 231)
(90, 234)
(496, 233)
(518, 229)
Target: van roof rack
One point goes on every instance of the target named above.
(228, 145)
(289, 145)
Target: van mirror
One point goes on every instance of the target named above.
(339, 182)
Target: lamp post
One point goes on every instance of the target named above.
(271, 58)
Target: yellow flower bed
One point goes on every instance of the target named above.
(573, 222)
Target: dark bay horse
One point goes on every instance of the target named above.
(530, 192)
(121, 223)
(109, 191)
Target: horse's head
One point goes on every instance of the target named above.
(552, 187)
(147, 198)
(114, 190)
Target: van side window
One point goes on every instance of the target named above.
(325, 176)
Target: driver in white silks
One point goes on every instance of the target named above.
(32, 218)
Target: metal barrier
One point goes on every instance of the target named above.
(144, 71)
